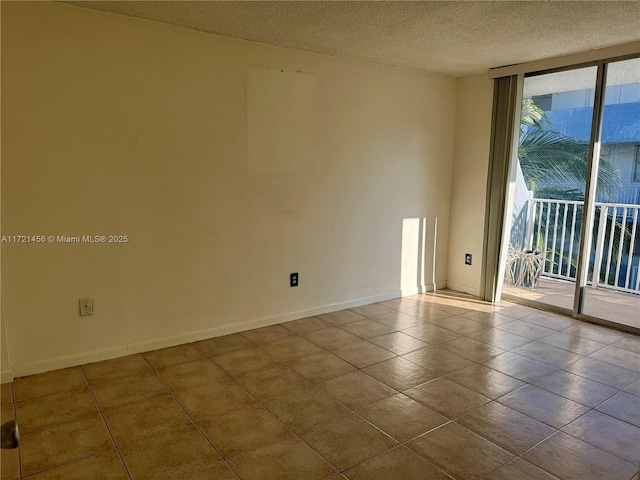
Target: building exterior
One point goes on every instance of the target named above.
(569, 113)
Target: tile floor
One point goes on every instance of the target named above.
(598, 302)
(424, 387)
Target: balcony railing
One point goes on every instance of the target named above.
(554, 227)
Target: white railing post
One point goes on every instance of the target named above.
(573, 232)
(599, 246)
(553, 235)
(531, 220)
(562, 242)
(620, 247)
(627, 282)
(546, 238)
(612, 234)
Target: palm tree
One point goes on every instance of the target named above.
(555, 165)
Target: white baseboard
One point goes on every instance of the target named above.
(156, 343)
(405, 292)
(458, 287)
(6, 376)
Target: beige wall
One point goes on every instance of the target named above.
(468, 193)
(118, 126)
(6, 375)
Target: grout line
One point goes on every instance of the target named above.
(104, 421)
(349, 410)
(71, 462)
(427, 304)
(193, 422)
(589, 443)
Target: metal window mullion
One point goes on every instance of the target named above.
(590, 193)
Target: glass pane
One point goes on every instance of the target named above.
(549, 186)
(613, 290)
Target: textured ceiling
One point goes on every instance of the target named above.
(451, 37)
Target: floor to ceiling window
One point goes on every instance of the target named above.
(573, 202)
(614, 257)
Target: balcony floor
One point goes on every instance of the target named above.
(618, 307)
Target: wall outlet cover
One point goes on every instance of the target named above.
(293, 280)
(86, 306)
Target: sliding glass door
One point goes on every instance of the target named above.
(613, 289)
(550, 184)
(573, 201)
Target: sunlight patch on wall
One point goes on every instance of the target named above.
(413, 253)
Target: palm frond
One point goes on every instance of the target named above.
(548, 158)
(532, 115)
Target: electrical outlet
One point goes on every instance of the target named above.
(293, 280)
(86, 306)
(467, 259)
